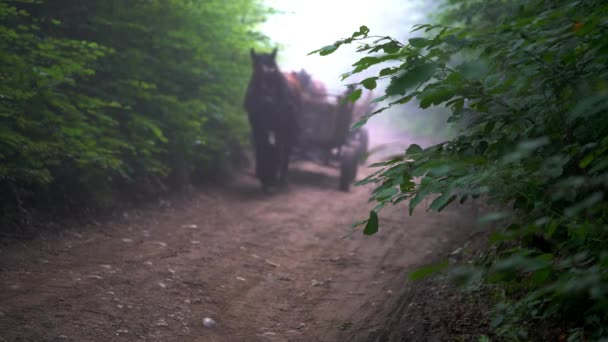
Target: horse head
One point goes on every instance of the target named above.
(264, 64)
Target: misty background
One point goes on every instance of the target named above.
(300, 27)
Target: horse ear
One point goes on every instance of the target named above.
(274, 53)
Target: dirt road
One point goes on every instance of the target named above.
(263, 267)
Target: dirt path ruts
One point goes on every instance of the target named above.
(264, 267)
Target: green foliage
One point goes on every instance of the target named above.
(115, 96)
(371, 226)
(527, 84)
(426, 271)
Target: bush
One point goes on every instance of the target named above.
(103, 98)
(528, 83)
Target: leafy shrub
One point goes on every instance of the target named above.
(527, 81)
(103, 98)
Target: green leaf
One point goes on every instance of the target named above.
(372, 224)
(417, 199)
(366, 62)
(413, 149)
(489, 127)
(586, 161)
(455, 80)
(379, 99)
(540, 276)
(484, 338)
(388, 71)
(359, 124)
(355, 95)
(426, 271)
(363, 31)
(587, 203)
(474, 69)
(407, 98)
(420, 27)
(420, 42)
(435, 94)
(385, 194)
(369, 83)
(151, 126)
(442, 202)
(327, 50)
(389, 48)
(410, 78)
(491, 217)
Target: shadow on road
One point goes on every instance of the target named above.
(318, 179)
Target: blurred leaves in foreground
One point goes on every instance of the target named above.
(527, 85)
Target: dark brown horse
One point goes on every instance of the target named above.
(273, 103)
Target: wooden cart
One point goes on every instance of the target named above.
(325, 136)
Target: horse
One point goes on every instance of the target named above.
(272, 102)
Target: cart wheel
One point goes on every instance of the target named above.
(348, 169)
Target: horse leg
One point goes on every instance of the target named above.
(285, 151)
(263, 156)
(257, 149)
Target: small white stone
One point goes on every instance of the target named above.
(209, 322)
(271, 263)
(315, 282)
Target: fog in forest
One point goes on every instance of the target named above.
(301, 27)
